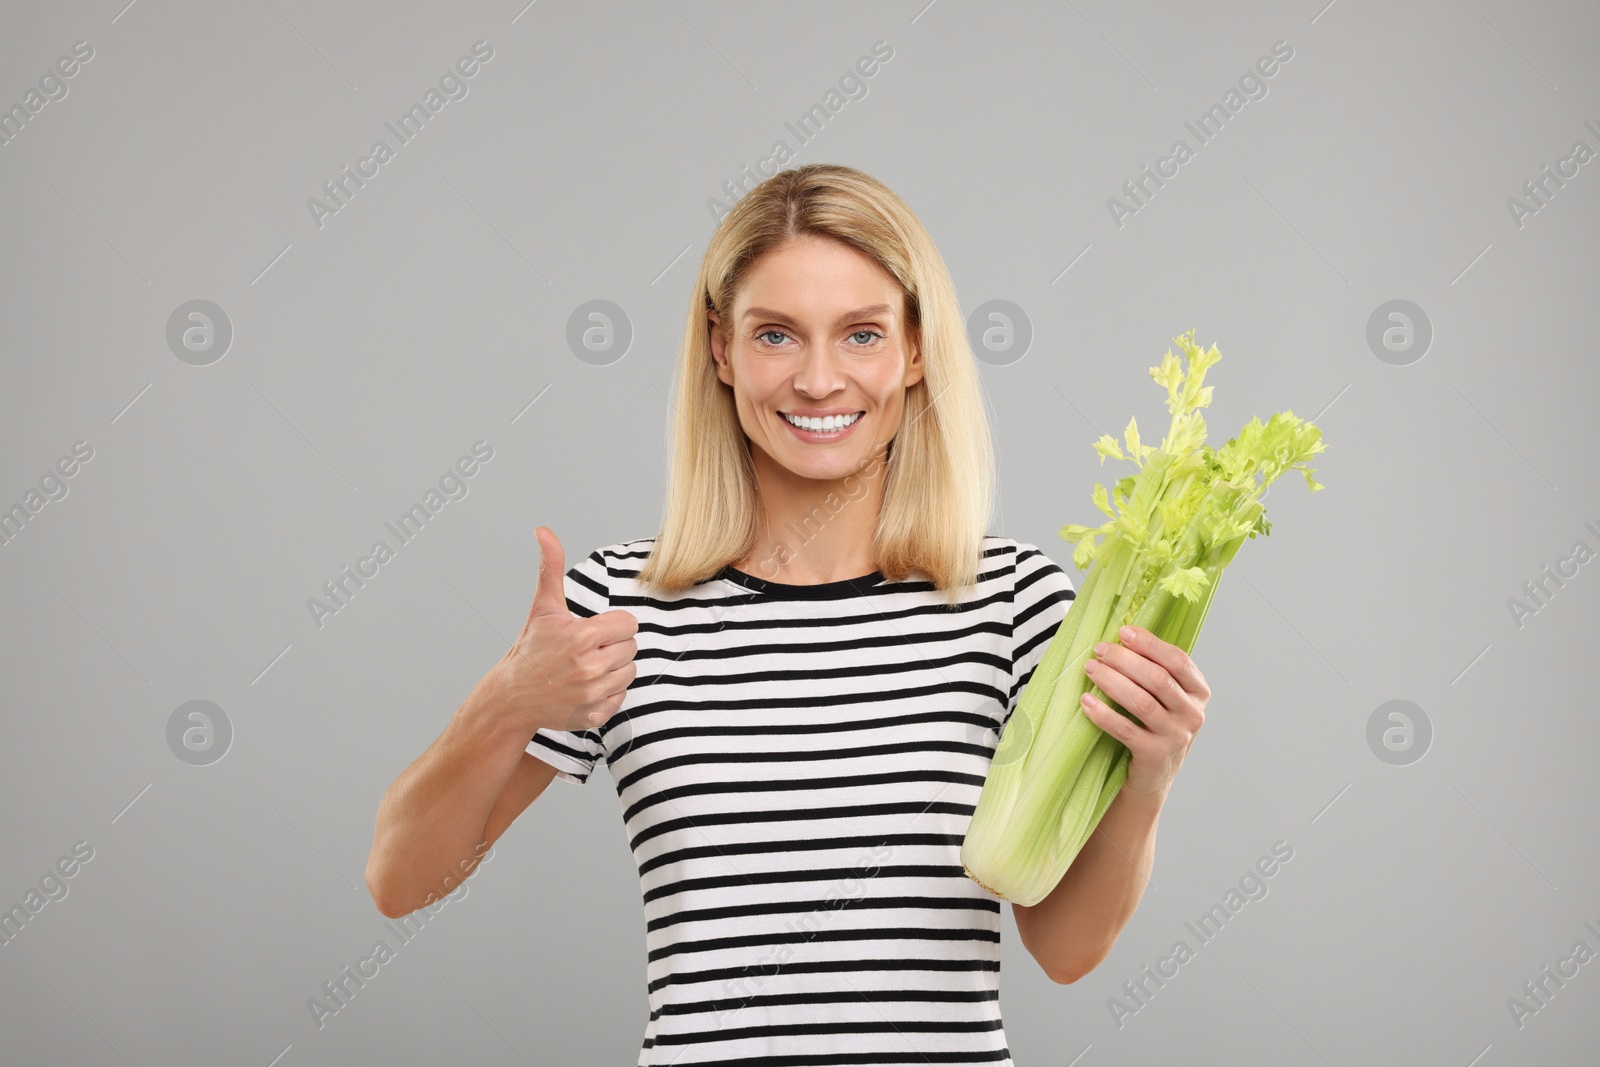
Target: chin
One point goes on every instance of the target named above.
(828, 469)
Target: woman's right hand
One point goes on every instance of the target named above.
(566, 672)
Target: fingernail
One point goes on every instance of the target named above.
(1100, 648)
(1127, 634)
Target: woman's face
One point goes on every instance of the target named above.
(817, 331)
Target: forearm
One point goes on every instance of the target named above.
(1073, 928)
(431, 821)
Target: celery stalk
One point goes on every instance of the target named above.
(1174, 526)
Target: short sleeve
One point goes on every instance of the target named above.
(1041, 595)
(574, 753)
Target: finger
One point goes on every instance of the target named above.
(1170, 656)
(618, 679)
(595, 713)
(610, 627)
(617, 653)
(615, 689)
(549, 597)
(1129, 695)
(1114, 722)
(1154, 678)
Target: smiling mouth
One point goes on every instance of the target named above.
(826, 424)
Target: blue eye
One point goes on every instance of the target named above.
(868, 333)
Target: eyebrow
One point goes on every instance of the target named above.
(875, 311)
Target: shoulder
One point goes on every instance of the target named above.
(1026, 570)
(607, 565)
(1019, 559)
(633, 552)
(621, 559)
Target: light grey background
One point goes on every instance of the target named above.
(369, 354)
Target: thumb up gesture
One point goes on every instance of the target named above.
(564, 672)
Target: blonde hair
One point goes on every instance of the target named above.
(939, 484)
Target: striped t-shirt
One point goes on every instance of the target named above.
(796, 767)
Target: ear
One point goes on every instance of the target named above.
(914, 365)
(719, 348)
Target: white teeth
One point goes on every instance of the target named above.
(826, 424)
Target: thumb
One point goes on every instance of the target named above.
(549, 598)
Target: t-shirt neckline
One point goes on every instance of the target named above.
(821, 591)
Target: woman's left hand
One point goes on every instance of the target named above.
(1159, 683)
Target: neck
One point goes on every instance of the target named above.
(812, 530)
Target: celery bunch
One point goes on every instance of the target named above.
(1172, 527)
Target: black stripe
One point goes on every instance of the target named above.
(792, 937)
(846, 1059)
(717, 974)
(889, 722)
(747, 848)
(847, 586)
(792, 647)
(878, 1026)
(853, 781)
(1058, 596)
(579, 610)
(824, 874)
(967, 657)
(1038, 638)
(756, 590)
(997, 549)
(799, 756)
(588, 583)
(739, 818)
(781, 907)
(749, 599)
(555, 746)
(942, 689)
(849, 996)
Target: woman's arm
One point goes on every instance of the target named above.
(441, 815)
(445, 810)
(1072, 929)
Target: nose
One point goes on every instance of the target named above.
(820, 373)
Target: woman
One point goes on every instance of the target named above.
(798, 684)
